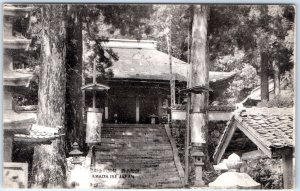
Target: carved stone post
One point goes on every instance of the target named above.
(198, 158)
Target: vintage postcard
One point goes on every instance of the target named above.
(149, 96)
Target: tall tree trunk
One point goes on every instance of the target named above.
(74, 77)
(276, 78)
(199, 77)
(49, 168)
(264, 77)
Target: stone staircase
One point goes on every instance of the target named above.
(135, 156)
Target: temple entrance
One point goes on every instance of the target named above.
(148, 106)
(121, 109)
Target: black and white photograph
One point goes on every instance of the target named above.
(149, 96)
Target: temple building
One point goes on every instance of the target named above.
(140, 86)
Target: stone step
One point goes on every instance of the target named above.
(122, 165)
(133, 130)
(124, 135)
(132, 125)
(144, 186)
(142, 166)
(134, 158)
(133, 134)
(155, 151)
(133, 154)
(147, 181)
(145, 146)
(140, 180)
(128, 152)
(135, 139)
(129, 147)
(135, 161)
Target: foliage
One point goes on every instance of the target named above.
(251, 30)
(278, 101)
(130, 20)
(267, 172)
(245, 80)
(174, 21)
(237, 34)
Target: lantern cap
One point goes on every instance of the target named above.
(198, 154)
(75, 151)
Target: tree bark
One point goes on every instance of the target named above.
(74, 77)
(199, 75)
(49, 165)
(264, 77)
(199, 102)
(276, 78)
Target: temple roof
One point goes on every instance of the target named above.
(268, 128)
(140, 60)
(151, 64)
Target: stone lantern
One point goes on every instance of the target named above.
(153, 118)
(198, 158)
(76, 153)
(233, 179)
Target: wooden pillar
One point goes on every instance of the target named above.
(106, 109)
(187, 141)
(94, 99)
(137, 109)
(287, 168)
(159, 108)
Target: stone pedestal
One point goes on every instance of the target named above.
(233, 179)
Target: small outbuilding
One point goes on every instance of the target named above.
(255, 133)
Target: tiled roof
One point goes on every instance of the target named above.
(146, 63)
(221, 108)
(210, 107)
(273, 128)
(153, 64)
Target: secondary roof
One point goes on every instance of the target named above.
(268, 128)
